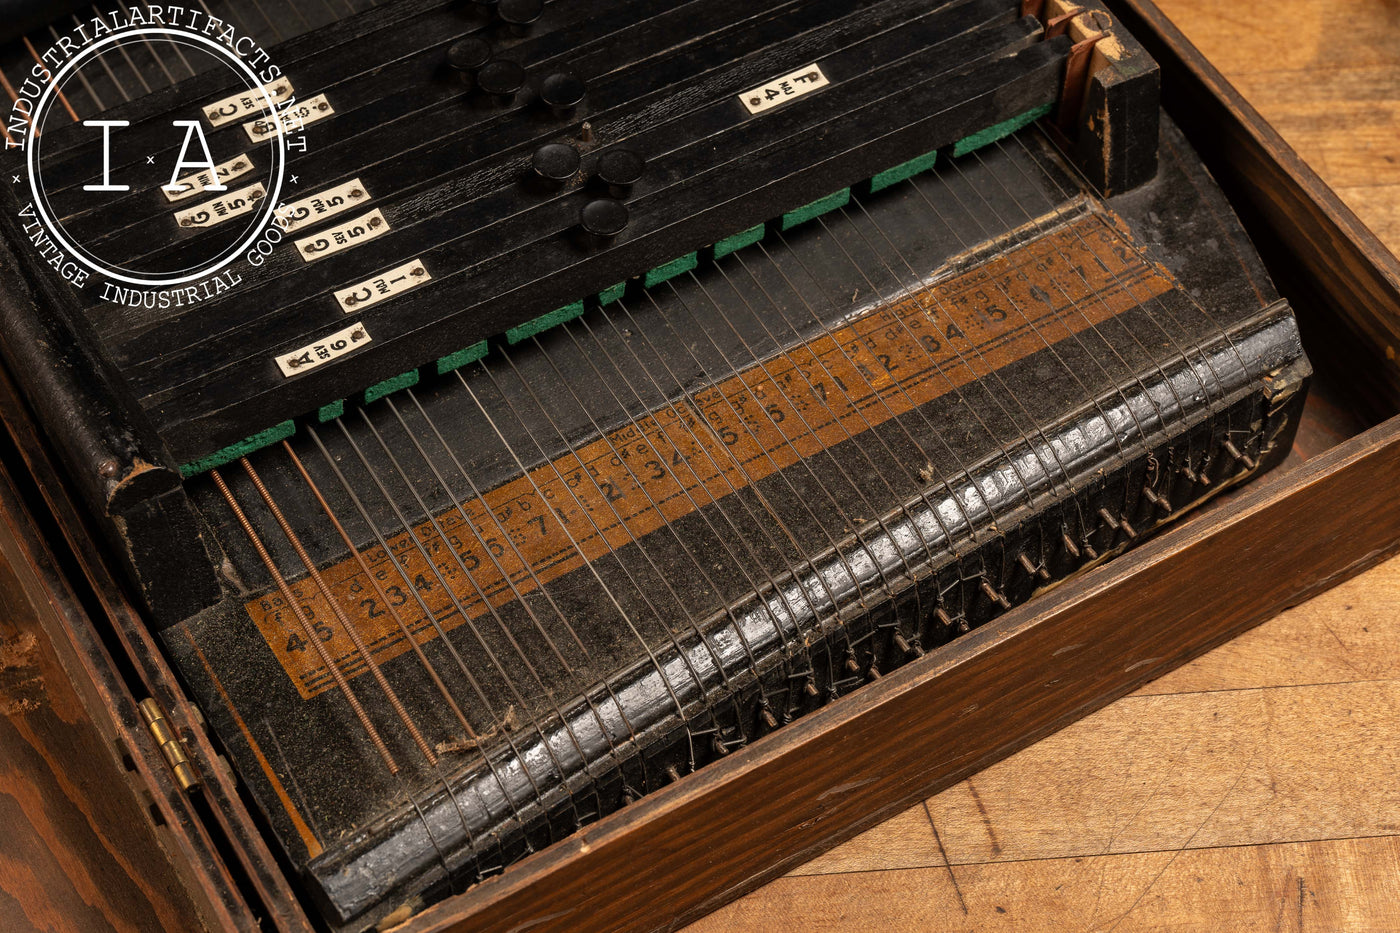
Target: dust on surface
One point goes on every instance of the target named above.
(21, 686)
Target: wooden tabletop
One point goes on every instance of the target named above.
(1257, 788)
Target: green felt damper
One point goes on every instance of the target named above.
(678, 266)
(818, 207)
(738, 241)
(544, 322)
(998, 131)
(461, 358)
(392, 384)
(610, 294)
(331, 412)
(241, 449)
(893, 176)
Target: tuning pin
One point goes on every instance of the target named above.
(562, 92)
(994, 596)
(603, 218)
(520, 15)
(619, 169)
(1031, 569)
(554, 163)
(501, 80)
(768, 718)
(1158, 501)
(467, 56)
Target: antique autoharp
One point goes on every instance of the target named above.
(625, 380)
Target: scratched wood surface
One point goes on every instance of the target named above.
(1257, 788)
(77, 852)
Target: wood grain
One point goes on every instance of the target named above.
(77, 852)
(1257, 787)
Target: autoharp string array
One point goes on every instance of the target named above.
(857, 375)
(818, 478)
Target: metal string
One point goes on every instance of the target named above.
(126, 55)
(428, 614)
(378, 674)
(57, 91)
(666, 469)
(529, 567)
(361, 649)
(310, 634)
(720, 471)
(1128, 371)
(665, 577)
(877, 513)
(82, 78)
(738, 462)
(379, 591)
(470, 622)
(150, 47)
(656, 664)
(906, 292)
(682, 654)
(485, 597)
(1136, 249)
(102, 60)
(878, 396)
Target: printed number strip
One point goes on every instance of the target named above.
(663, 467)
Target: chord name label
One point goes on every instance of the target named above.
(315, 354)
(225, 207)
(779, 91)
(385, 285)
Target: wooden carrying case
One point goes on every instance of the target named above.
(78, 662)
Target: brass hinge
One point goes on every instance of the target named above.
(170, 745)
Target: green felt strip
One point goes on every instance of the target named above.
(893, 176)
(818, 207)
(241, 449)
(331, 412)
(392, 384)
(998, 131)
(461, 358)
(738, 241)
(678, 266)
(544, 322)
(610, 294)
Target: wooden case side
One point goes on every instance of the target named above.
(109, 698)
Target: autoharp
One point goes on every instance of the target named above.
(619, 383)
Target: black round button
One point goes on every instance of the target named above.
(501, 78)
(562, 91)
(604, 217)
(467, 55)
(620, 168)
(520, 15)
(555, 162)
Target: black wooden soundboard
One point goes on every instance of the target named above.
(473, 168)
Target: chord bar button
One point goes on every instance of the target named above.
(520, 15)
(619, 169)
(604, 218)
(562, 92)
(555, 163)
(468, 56)
(501, 79)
